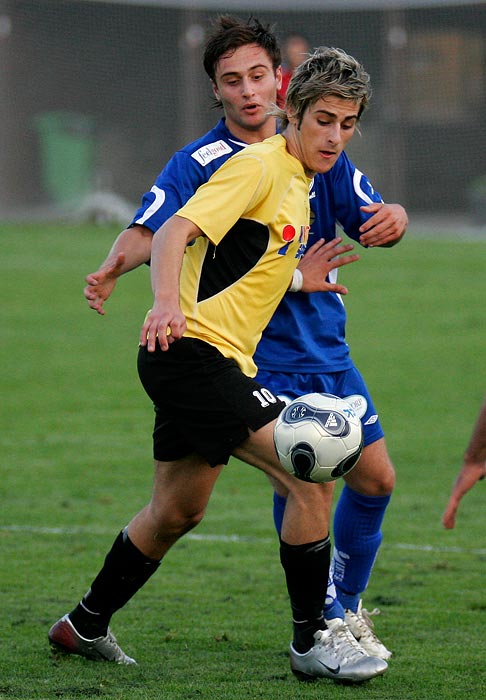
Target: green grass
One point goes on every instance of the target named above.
(213, 624)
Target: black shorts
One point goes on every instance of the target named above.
(203, 401)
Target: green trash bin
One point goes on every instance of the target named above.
(67, 150)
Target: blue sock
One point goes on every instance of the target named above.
(278, 511)
(332, 606)
(357, 538)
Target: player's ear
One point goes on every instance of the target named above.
(278, 77)
(215, 90)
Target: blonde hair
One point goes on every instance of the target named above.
(327, 71)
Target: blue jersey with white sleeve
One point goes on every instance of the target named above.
(307, 332)
(188, 168)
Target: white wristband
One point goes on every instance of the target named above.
(297, 281)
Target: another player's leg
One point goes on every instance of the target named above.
(357, 531)
(347, 383)
(134, 558)
(316, 651)
(334, 613)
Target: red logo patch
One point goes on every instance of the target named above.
(288, 233)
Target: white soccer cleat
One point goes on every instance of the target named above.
(63, 637)
(361, 625)
(336, 655)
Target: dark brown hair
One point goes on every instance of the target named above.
(229, 33)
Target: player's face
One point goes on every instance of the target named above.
(246, 84)
(323, 134)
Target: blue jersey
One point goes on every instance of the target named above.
(189, 168)
(307, 332)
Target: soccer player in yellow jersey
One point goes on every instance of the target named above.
(219, 268)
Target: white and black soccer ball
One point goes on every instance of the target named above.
(318, 437)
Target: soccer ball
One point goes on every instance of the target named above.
(318, 437)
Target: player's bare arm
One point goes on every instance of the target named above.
(165, 322)
(470, 474)
(130, 249)
(318, 262)
(386, 227)
(473, 469)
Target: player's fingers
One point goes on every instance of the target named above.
(318, 244)
(95, 303)
(336, 288)
(378, 237)
(339, 250)
(98, 306)
(328, 253)
(449, 520)
(89, 293)
(343, 260)
(148, 334)
(173, 333)
(376, 227)
(177, 328)
(333, 244)
(314, 249)
(372, 206)
(323, 249)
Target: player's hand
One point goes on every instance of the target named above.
(319, 260)
(165, 323)
(386, 226)
(469, 475)
(100, 284)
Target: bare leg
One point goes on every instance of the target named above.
(174, 509)
(374, 474)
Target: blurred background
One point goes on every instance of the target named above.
(97, 95)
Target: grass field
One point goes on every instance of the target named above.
(213, 624)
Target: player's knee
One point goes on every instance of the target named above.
(312, 499)
(387, 481)
(378, 480)
(381, 486)
(189, 519)
(176, 523)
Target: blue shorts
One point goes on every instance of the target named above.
(348, 384)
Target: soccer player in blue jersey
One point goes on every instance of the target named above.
(304, 348)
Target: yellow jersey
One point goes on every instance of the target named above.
(254, 212)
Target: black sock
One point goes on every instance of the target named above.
(124, 572)
(306, 569)
(304, 633)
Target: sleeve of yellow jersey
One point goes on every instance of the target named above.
(230, 194)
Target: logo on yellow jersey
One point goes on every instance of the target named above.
(288, 235)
